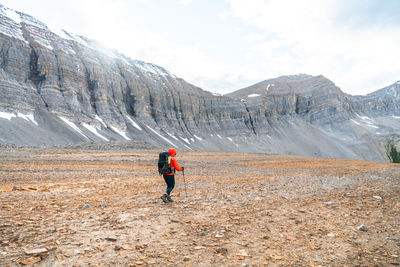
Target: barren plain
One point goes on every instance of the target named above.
(62, 207)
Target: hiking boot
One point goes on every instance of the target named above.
(169, 199)
(164, 198)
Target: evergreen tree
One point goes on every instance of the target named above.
(392, 153)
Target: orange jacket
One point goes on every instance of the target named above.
(174, 162)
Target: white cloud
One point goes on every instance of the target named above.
(240, 42)
(254, 37)
(185, 2)
(306, 37)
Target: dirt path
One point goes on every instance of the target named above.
(241, 210)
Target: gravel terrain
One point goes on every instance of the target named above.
(71, 207)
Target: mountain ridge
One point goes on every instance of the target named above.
(62, 90)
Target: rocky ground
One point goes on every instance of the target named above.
(62, 207)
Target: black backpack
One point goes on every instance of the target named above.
(164, 163)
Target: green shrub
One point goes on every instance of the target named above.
(391, 152)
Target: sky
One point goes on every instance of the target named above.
(225, 45)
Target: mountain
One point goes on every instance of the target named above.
(317, 116)
(58, 88)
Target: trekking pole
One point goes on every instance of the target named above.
(184, 181)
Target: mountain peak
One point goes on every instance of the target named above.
(287, 84)
(294, 78)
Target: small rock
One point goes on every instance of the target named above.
(127, 247)
(31, 261)
(362, 227)
(218, 235)
(377, 197)
(111, 238)
(243, 253)
(103, 205)
(6, 189)
(328, 203)
(86, 206)
(18, 188)
(387, 237)
(278, 258)
(331, 235)
(36, 251)
(222, 251)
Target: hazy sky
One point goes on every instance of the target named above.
(224, 45)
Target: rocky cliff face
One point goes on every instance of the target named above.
(58, 88)
(354, 125)
(71, 80)
(382, 102)
(314, 99)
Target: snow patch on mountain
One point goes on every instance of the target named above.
(365, 118)
(134, 123)
(61, 33)
(187, 147)
(253, 95)
(173, 136)
(100, 120)
(185, 139)
(372, 126)
(151, 68)
(13, 15)
(44, 42)
(7, 115)
(73, 126)
(27, 117)
(269, 85)
(12, 26)
(79, 39)
(33, 22)
(93, 130)
(121, 133)
(154, 131)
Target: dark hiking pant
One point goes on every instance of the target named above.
(170, 181)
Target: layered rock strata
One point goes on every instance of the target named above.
(58, 88)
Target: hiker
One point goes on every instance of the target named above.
(170, 177)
